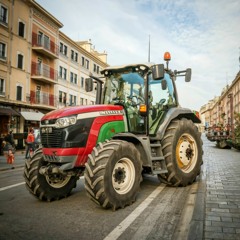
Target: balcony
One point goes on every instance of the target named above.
(44, 73)
(44, 46)
(43, 98)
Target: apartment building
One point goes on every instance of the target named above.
(15, 52)
(77, 60)
(41, 69)
(220, 110)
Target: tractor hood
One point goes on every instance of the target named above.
(68, 111)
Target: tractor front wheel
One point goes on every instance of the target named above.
(47, 187)
(182, 149)
(113, 174)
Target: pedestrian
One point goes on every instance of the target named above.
(8, 152)
(30, 143)
(9, 138)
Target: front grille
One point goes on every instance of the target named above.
(53, 139)
(69, 137)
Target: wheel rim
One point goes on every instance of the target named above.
(123, 176)
(186, 153)
(57, 180)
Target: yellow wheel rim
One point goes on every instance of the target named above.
(186, 153)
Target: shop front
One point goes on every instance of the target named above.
(9, 120)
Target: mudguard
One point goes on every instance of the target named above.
(176, 113)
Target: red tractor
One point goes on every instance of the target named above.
(136, 127)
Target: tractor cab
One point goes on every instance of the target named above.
(146, 92)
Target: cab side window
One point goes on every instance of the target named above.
(161, 98)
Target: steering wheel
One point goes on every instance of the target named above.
(162, 101)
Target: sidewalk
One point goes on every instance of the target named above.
(19, 161)
(217, 208)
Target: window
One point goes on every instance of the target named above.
(73, 77)
(38, 94)
(62, 97)
(21, 29)
(76, 57)
(82, 82)
(63, 73)
(83, 61)
(95, 68)
(81, 101)
(63, 49)
(72, 100)
(19, 93)
(60, 72)
(2, 51)
(87, 64)
(4, 15)
(2, 87)
(40, 38)
(20, 61)
(46, 42)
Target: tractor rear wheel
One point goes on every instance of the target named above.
(182, 149)
(46, 187)
(113, 174)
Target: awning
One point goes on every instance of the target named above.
(32, 116)
(8, 111)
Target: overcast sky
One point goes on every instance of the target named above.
(200, 34)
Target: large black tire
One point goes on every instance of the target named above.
(182, 150)
(113, 174)
(46, 188)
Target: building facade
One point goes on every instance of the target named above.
(41, 69)
(220, 110)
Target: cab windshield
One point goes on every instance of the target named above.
(123, 87)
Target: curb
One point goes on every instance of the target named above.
(198, 218)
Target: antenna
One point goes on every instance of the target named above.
(149, 49)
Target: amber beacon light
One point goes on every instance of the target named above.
(167, 56)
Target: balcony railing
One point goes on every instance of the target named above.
(44, 46)
(43, 98)
(44, 72)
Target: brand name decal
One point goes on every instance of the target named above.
(112, 112)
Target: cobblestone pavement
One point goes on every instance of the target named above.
(221, 173)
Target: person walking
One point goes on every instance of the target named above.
(30, 143)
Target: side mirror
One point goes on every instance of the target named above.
(188, 75)
(158, 71)
(88, 84)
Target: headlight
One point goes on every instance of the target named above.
(66, 121)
